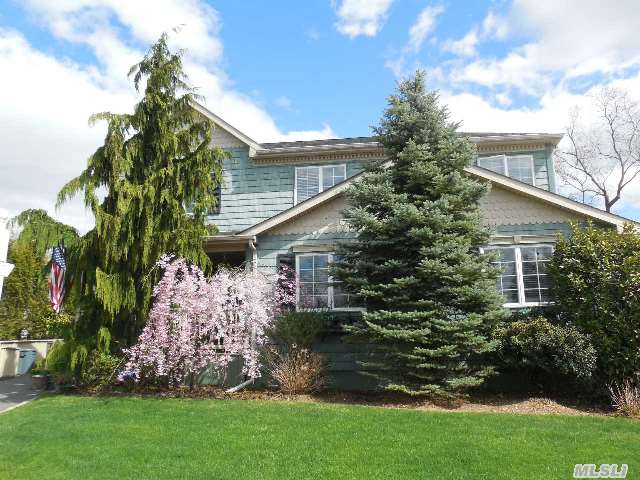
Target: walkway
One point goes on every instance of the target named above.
(16, 390)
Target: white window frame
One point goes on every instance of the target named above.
(320, 178)
(505, 163)
(330, 305)
(520, 279)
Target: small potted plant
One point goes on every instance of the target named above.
(39, 376)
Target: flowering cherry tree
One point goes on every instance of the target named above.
(197, 321)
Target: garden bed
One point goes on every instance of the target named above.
(479, 403)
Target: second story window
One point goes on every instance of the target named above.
(310, 181)
(518, 167)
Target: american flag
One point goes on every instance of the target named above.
(56, 282)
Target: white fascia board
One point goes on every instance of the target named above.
(252, 144)
(549, 197)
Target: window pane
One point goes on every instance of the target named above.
(544, 253)
(321, 301)
(528, 254)
(510, 296)
(531, 296)
(545, 281)
(307, 182)
(507, 254)
(306, 276)
(320, 289)
(321, 275)
(495, 164)
(332, 175)
(520, 168)
(321, 261)
(529, 268)
(306, 294)
(545, 295)
(530, 281)
(509, 282)
(509, 268)
(306, 262)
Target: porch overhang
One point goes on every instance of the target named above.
(228, 243)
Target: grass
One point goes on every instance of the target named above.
(68, 437)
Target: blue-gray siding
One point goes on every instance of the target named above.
(252, 193)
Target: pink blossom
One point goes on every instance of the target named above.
(196, 321)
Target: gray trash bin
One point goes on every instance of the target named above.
(27, 359)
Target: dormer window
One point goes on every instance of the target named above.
(310, 181)
(518, 167)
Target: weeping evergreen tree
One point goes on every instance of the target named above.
(43, 231)
(430, 296)
(154, 163)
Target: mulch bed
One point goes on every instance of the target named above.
(478, 403)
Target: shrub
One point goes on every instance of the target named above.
(297, 371)
(541, 347)
(100, 369)
(596, 277)
(625, 398)
(297, 328)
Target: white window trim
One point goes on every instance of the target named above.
(320, 178)
(505, 163)
(519, 276)
(330, 280)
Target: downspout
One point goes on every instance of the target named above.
(254, 268)
(254, 254)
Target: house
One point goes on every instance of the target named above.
(281, 203)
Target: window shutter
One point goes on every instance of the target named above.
(286, 268)
(217, 197)
(495, 163)
(307, 183)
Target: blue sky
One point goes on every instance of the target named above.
(299, 70)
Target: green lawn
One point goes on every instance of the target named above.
(62, 437)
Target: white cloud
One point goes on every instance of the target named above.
(566, 40)
(284, 102)
(465, 46)
(361, 17)
(404, 61)
(47, 100)
(423, 25)
(495, 26)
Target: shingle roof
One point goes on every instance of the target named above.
(313, 143)
(368, 142)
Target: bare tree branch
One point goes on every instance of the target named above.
(603, 157)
